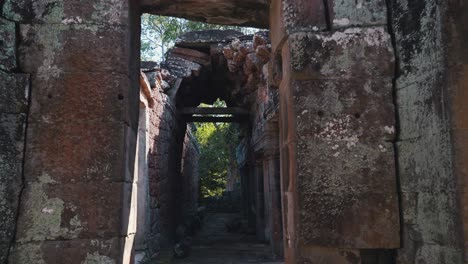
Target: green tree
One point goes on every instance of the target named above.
(158, 33)
(217, 143)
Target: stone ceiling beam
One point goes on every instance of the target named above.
(252, 13)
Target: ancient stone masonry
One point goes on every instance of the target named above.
(337, 125)
(243, 13)
(172, 161)
(190, 177)
(217, 64)
(14, 94)
(428, 183)
(357, 124)
(82, 124)
(234, 67)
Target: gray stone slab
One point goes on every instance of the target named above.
(348, 13)
(14, 89)
(7, 45)
(354, 52)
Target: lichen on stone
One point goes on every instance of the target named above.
(44, 214)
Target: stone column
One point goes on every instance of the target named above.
(273, 202)
(141, 173)
(273, 212)
(259, 201)
(337, 124)
(266, 199)
(83, 60)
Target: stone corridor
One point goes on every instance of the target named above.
(214, 245)
(356, 132)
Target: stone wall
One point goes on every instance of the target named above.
(172, 170)
(264, 141)
(14, 93)
(344, 157)
(430, 210)
(81, 127)
(337, 127)
(190, 188)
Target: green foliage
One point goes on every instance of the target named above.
(158, 33)
(217, 143)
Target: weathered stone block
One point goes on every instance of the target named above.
(4, 249)
(349, 220)
(192, 55)
(76, 152)
(430, 217)
(333, 167)
(421, 108)
(182, 68)
(205, 38)
(7, 45)
(345, 110)
(52, 211)
(14, 89)
(110, 12)
(50, 50)
(16, 10)
(82, 96)
(354, 52)
(78, 251)
(250, 13)
(429, 253)
(12, 128)
(425, 164)
(420, 42)
(347, 13)
(290, 16)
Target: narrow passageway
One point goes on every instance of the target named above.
(215, 245)
(213, 189)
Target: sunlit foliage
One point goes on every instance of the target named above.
(217, 155)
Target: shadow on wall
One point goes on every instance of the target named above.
(168, 173)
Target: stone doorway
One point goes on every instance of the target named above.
(389, 73)
(200, 69)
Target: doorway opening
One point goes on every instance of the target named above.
(212, 173)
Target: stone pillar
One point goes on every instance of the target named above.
(339, 184)
(243, 171)
(78, 170)
(259, 201)
(141, 173)
(271, 182)
(266, 199)
(273, 213)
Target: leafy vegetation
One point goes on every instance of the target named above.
(158, 33)
(217, 155)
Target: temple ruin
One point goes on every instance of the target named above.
(355, 128)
